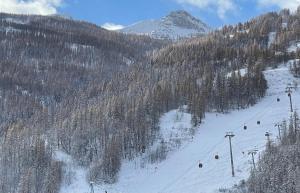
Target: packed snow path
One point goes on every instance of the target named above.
(180, 173)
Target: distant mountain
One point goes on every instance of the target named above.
(176, 25)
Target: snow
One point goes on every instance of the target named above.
(63, 157)
(75, 47)
(74, 177)
(174, 26)
(284, 25)
(173, 121)
(157, 29)
(14, 20)
(180, 173)
(272, 37)
(243, 72)
(9, 29)
(128, 61)
(293, 47)
(243, 31)
(175, 129)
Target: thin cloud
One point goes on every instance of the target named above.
(40, 7)
(222, 6)
(112, 26)
(290, 4)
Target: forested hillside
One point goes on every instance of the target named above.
(96, 95)
(278, 168)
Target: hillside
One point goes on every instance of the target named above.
(180, 172)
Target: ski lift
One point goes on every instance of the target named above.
(200, 165)
(258, 122)
(245, 127)
(217, 157)
(278, 99)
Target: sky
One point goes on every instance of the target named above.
(114, 14)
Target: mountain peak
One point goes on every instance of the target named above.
(184, 19)
(176, 25)
(181, 13)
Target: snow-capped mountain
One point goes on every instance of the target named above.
(176, 25)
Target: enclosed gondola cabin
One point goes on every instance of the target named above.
(200, 165)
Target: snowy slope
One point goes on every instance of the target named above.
(179, 173)
(178, 24)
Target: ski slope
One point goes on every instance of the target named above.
(180, 173)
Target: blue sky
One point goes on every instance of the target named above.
(124, 12)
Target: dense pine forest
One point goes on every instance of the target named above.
(97, 95)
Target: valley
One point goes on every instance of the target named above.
(146, 109)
